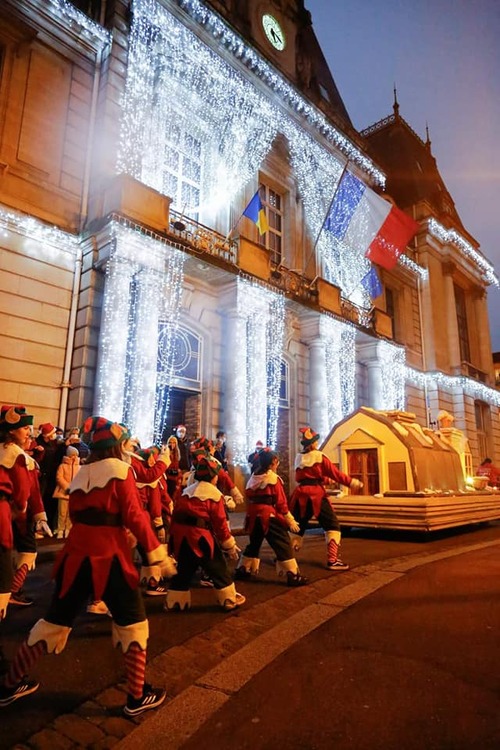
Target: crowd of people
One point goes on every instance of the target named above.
(143, 522)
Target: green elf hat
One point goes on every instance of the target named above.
(309, 436)
(12, 417)
(206, 468)
(103, 433)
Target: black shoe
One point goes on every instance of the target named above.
(242, 574)
(23, 688)
(20, 599)
(151, 698)
(206, 581)
(295, 579)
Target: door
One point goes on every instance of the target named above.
(363, 465)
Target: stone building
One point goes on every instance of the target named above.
(133, 137)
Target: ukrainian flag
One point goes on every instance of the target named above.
(255, 212)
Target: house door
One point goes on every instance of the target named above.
(363, 465)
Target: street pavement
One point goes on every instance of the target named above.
(337, 663)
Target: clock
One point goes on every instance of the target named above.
(273, 32)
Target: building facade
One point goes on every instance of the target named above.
(133, 137)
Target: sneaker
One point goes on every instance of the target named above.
(337, 565)
(155, 588)
(206, 581)
(242, 574)
(230, 604)
(9, 695)
(151, 698)
(295, 579)
(98, 608)
(20, 599)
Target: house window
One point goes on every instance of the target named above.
(483, 428)
(463, 333)
(272, 240)
(91, 8)
(391, 308)
(182, 171)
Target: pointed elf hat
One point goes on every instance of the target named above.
(12, 417)
(103, 433)
(206, 468)
(309, 436)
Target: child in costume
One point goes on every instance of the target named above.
(96, 562)
(30, 516)
(312, 470)
(66, 472)
(268, 518)
(200, 537)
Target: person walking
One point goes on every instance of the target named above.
(312, 471)
(29, 515)
(269, 518)
(96, 562)
(200, 537)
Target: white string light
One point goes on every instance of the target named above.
(392, 359)
(340, 351)
(452, 237)
(91, 30)
(468, 386)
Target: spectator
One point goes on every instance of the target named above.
(53, 452)
(487, 469)
(220, 448)
(75, 440)
(66, 472)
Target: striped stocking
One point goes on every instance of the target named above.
(135, 665)
(24, 660)
(19, 578)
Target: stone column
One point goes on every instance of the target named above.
(113, 339)
(141, 396)
(483, 340)
(235, 401)
(454, 358)
(318, 387)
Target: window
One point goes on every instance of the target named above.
(391, 308)
(182, 171)
(273, 206)
(91, 8)
(463, 334)
(483, 427)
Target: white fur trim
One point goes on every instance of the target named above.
(203, 491)
(286, 566)
(150, 571)
(25, 558)
(157, 555)
(179, 599)
(154, 484)
(99, 474)
(229, 543)
(125, 635)
(229, 592)
(4, 601)
(306, 460)
(251, 564)
(260, 481)
(55, 636)
(9, 454)
(335, 535)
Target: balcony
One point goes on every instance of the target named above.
(465, 368)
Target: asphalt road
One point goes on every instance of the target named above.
(89, 666)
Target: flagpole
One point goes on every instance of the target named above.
(228, 235)
(344, 170)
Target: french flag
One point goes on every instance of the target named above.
(362, 219)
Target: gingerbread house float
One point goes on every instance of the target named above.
(414, 477)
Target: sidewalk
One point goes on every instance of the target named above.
(202, 673)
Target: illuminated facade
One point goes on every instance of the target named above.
(136, 134)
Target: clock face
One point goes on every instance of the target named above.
(273, 32)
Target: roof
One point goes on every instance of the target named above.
(411, 169)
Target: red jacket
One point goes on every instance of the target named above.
(203, 504)
(313, 469)
(266, 498)
(26, 500)
(105, 489)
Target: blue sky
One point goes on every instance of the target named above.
(444, 57)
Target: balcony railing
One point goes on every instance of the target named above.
(201, 239)
(465, 368)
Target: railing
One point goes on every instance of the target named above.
(198, 238)
(465, 368)
(201, 239)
